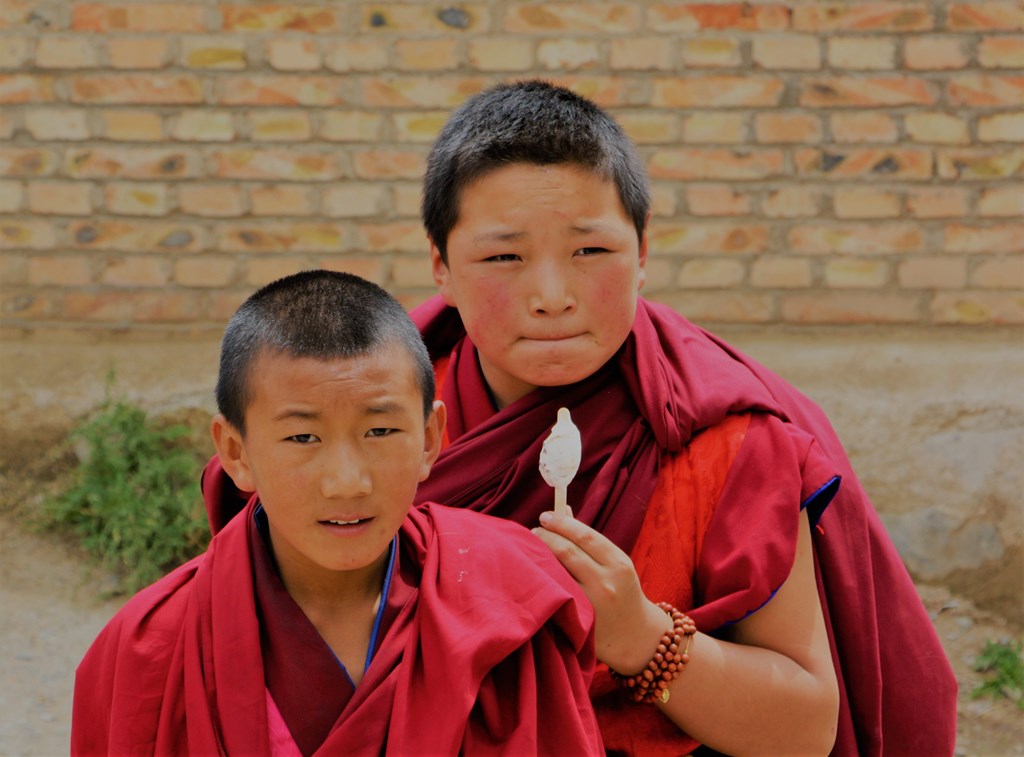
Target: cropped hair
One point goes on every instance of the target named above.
(318, 314)
(531, 122)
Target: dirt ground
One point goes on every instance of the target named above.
(53, 605)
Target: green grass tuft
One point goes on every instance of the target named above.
(1002, 660)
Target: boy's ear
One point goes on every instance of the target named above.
(642, 276)
(433, 436)
(442, 276)
(231, 451)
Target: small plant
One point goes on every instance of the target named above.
(1003, 661)
(133, 500)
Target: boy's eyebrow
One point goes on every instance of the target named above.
(499, 236)
(296, 413)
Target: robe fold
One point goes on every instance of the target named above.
(180, 670)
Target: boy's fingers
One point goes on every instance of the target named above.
(579, 564)
(585, 538)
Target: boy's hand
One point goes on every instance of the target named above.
(628, 625)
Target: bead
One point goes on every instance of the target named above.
(652, 683)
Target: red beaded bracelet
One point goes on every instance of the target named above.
(651, 684)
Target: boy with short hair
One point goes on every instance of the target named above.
(329, 618)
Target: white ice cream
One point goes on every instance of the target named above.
(560, 455)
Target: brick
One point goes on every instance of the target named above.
(136, 236)
(350, 126)
(26, 305)
(717, 92)
(15, 14)
(721, 307)
(419, 126)
(1001, 52)
(932, 273)
(14, 53)
(426, 54)
(136, 89)
(222, 304)
(11, 196)
(856, 273)
(801, 128)
(849, 307)
(986, 16)
(26, 161)
(800, 52)
(416, 18)
(125, 308)
(977, 164)
(66, 198)
(14, 269)
(863, 127)
(419, 92)
(716, 200)
(781, 273)
(70, 124)
(130, 163)
(131, 126)
(712, 53)
(936, 128)
(645, 127)
(203, 126)
(137, 271)
(607, 91)
(59, 270)
(981, 90)
(568, 54)
(282, 200)
(211, 200)
(720, 164)
(1002, 273)
(863, 16)
(934, 53)
(214, 52)
(275, 164)
(661, 273)
(66, 51)
(372, 267)
(1002, 201)
(792, 202)
(138, 52)
(389, 164)
(589, 18)
(862, 53)
(974, 308)
(280, 126)
(864, 202)
(281, 90)
(864, 162)
(716, 128)
(506, 54)
(707, 238)
(711, 274)
(294, 54)
(356, 55)
(137, 17)
(7, 125)
(396, 236)
(263, 270)
(641, 54)
(16, 89)
(26, 235)
(1003, 127)
(691, 17)
(280, 237)
(937, 202)
(664, 202)
(405, 200)
(855, 239)
(866, 92)
(280, 17)
(412, 271)
(1008, 237)
(206, 271)
(354, 200)
(137, 199)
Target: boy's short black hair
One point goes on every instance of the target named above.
(319, 314)
(527, 122)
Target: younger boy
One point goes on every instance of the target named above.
(329, 618)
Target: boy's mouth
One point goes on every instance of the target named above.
(345, 522)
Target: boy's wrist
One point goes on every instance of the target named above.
(636, 650)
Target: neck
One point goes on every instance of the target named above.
(321, 592)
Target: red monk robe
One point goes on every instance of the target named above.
(485, 647)
(685, 436)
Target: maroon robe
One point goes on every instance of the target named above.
(490, 652)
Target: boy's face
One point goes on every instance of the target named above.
(544, 267)
(335, 449)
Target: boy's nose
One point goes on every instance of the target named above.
(346, 476)
(552, 294)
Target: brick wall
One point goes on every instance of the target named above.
(853, 162)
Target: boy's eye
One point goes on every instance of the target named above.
(503, 258)
(303, 438)
(591, 250)
(375, 432)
